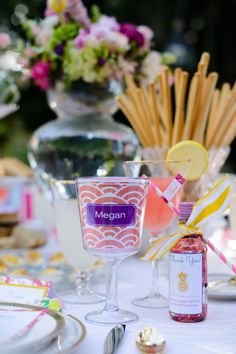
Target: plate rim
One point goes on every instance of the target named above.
(83, 329)
(213, 294)
(60, 322)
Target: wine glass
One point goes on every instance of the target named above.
(111, 212)
(70, 241)
(158, 217)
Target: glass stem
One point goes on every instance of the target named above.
(111, 285)
(155, 278)
(82, 282)
(155, 275)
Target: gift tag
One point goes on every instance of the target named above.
(23, 291)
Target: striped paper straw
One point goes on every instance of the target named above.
(160, 194)
(220, 255)
(212, 247)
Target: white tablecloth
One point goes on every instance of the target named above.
(217, 334)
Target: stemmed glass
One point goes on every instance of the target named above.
(70, 240)
(111, 212)
(158, 217)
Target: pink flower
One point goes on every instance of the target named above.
(81, 39)
(30, 52)
(103, 30)
(49, 12)
(78, 12)
(107, 23)
(5, 40)
(24, 62)
(131, 32)
(40, 73)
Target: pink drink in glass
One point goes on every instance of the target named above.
(112, 217)
(158, 214)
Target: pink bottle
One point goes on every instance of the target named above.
(188, 275)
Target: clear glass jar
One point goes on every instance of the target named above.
(84, 140)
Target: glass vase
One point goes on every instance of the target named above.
(84, 140)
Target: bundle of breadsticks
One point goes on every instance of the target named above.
(191, 109)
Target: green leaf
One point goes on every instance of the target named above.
(95, 13)
(64, 33)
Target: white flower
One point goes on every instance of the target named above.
(117, 41)
(127, 66)
(151, 66)
(147, 34)
(46, 30)
(50, 21)
(105, 23)
(44, 36)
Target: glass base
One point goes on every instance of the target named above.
(86, 297)
(111, 317)
(152, 301)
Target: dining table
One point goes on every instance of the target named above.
(214, 335)
(217, 334)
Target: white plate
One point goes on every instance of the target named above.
(43, 332)
(222, 290)
(71, 336)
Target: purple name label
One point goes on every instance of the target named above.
(110, 214)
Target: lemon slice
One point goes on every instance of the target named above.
(189, 158)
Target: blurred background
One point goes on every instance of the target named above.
(183, 27)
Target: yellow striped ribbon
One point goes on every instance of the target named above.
(210, 206)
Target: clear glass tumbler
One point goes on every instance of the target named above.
(70, 241)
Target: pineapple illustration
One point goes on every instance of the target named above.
(183, 283)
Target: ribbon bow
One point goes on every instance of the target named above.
(211, 205)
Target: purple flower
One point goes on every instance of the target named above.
(101, 61)
(40, 73)
(59, 49)
(131, 32)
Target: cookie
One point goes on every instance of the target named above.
(28, 237)
(56, 259)
(33, 258)
(11, 260)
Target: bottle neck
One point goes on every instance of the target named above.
(194, 234)
(185, 211)
(183, 220)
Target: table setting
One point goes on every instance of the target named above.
(117, 238)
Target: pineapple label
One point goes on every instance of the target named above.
(186, 289)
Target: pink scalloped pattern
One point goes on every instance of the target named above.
(113, 237)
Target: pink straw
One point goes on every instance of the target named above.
(212, 247)
(220, 255)
(168, 202)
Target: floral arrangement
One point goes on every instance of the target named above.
(9, 92)
(69, 45)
